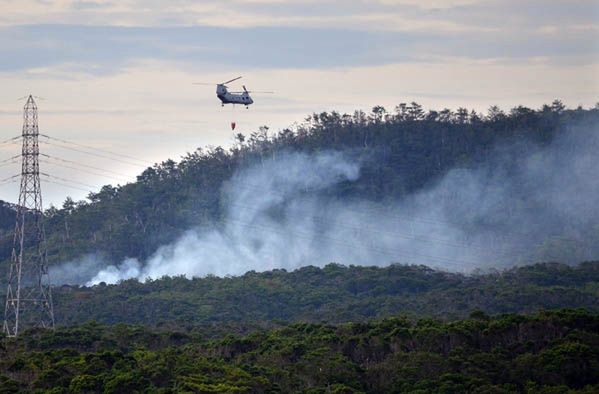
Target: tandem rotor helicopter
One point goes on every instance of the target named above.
(228, 97)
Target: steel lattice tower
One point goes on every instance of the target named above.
(28, 296)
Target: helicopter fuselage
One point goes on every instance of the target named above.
(227, 97)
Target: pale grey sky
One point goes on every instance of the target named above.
(118, 74)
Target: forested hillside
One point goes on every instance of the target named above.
(335, 294)
(548, 352)
(400, 152)
(375, 327)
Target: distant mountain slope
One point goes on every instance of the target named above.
(334, 293)
(400, 151)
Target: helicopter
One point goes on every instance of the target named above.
(227, 97)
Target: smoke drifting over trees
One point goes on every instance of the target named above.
(523, 202)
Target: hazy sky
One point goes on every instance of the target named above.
(118, 74)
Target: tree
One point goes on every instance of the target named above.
(557, 106)
(378, 114)
(495, 114)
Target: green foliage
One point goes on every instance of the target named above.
(272, 297)
(549, 352)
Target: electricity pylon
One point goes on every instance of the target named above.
(28, 296)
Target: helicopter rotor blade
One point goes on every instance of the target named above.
(257, 91)
(231, 80)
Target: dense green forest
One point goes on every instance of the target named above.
(401, 152)
(548, 352)
(335, 294)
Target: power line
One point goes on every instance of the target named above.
(97, 149)
(64, 184)
(84, 171)
(67, 180)
(9, 181)
(9, 163)
(85, 165)
(10, 140)
(93, 154)
(10, 177)
(10, 159)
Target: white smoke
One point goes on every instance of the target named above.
(78, 271)
(129, 268)
(285, 213)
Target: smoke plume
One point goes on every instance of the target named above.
(524, 203)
